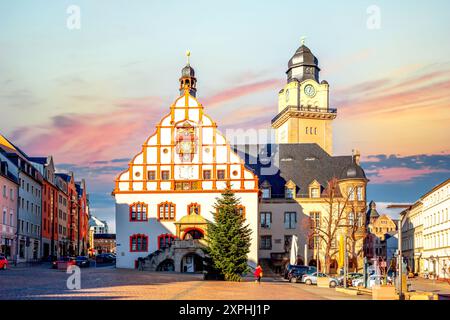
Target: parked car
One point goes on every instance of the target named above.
(291, 267)
(296, 274)
(82, 261)
(3, 262)
(350, 277)
(373, 280)
(105, 258)
(63, 260)
(310, 279)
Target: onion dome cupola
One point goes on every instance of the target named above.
(303, 65)
(188, 80)
(372, 213)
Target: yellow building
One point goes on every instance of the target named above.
(294, 174)
(412, 237)
(304, 115)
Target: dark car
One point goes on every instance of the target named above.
(82, 262)
(105, 258)
(63, 262)
(290, 268)
(296, 274)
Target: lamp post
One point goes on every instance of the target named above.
(399, 258)
(345, 261)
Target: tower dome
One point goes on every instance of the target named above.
(372, 213)
(188, 71)
(303, 65)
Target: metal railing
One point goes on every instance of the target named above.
(303, 108)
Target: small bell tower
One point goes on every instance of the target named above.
(188, 80)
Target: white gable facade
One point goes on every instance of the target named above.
(180, 171)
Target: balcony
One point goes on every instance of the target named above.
(309, 112)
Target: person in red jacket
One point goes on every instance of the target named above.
(258, 274)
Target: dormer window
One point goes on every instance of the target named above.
(266, 190)
(266, 193)
(314, 189)
(315, 193)
(289, 193)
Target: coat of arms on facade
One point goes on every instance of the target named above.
(186, 142)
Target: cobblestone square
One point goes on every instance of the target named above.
(111, 283)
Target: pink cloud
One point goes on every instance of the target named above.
(399, 174)
(380, 96)
(82, 138)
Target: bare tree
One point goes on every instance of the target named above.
(334, 220)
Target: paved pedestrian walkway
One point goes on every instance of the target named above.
(435, 286)
(111, 283)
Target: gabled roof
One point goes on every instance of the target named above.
(10, 148)
(40, 160)
(96, 222)
(6, 144)
(302, 163)
(64, 176)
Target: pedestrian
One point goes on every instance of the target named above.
(141, 262)
(258, 274)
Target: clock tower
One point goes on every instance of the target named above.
(304, 115)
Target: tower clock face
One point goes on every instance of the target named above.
(310, 91)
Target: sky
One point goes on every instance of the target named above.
(91, 96)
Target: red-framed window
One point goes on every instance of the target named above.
(138, 243)
(166, 211)
(138, 212)
(241, 210)
(193, 208)
(165, 240)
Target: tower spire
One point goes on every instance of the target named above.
(188, 54)
(302, 40)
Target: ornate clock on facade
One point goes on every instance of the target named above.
(310, 91)
(186, 142)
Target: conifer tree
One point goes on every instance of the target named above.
(228, 238)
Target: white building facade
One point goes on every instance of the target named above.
(436, 230)
(170, 187)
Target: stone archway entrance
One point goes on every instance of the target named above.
(192, 262)
(166, 265)
(191, 227)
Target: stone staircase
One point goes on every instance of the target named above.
(173, 253)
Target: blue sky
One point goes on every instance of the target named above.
(61, 89)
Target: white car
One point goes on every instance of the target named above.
(373, 280)
(310, 279)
